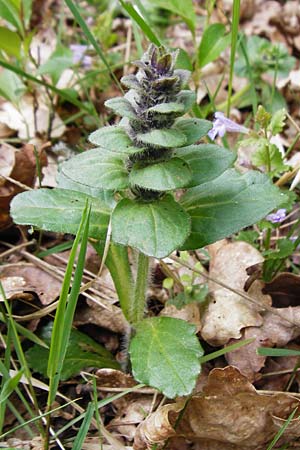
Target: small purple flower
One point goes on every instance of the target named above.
(79, 56)
(221, 124)
(277, 217)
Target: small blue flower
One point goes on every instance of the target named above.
(79, 56)
(221, 124)
(278, 216)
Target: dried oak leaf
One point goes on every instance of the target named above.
(274, 331)
(229, 414)
(227, 312)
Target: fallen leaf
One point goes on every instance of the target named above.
(229, 414)
(284, 290)
(30, 279)
(227, 312)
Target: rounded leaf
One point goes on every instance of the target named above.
(165, 137)
(97, 169)
(165, 354)
(114, 139)
(161, 176)
(193, 129)
(121, 106)
(156, 228)
(168, 108)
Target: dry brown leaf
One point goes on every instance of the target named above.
(274, 331)
(284, 290)
(114, 378)
(29, 279)
(230, 411)
(227, 312)
(190, 313)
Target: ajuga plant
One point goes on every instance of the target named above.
(156, 191)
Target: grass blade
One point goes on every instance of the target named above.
(282, 430)
(75, 11)
(225, 350)
(234, 36)
(65, 311)
(138, 19)
(84, 428)
(264, 351)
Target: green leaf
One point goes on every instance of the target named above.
(115, 139)
(213, 43)
(285, 249)
(165, 137)
(268, 155)
(187, 98)
(105, 196)
(228, 204)
(10, 42)
(82, 352)
(193, 129)
(59, 210)
(97, 168)
(10, 12)
(155, 228)
(206, 161)
(11, 86)
(9, 386)
(277, 122)
(168, 108)
(165, 354)
(121, 106)
(183, 9)
(161, 176)
(59, 60)
(279, 352)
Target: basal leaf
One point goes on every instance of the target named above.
(206, 161)
(155, 228)
(165, 354)
(121, 106)
(165, 137)
(193, 129)
(161, 176)
(59, 210)
(82, 352)
(213, 42)
(228, 204)
(97, 168)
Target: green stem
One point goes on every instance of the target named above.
(139, 298)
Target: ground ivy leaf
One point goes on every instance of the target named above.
(121, 106)
(82, 352)
(193, 129)
(97, 169)
(59, 210)
(165, 137)
(155, 228)
(165, 354)
(161, 176)
(227, 204)
(206, 161)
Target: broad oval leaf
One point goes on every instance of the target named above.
(59, 210)
(165, 137)
(115, 139)
(228, 204)
(98, 169)
(121, 106)
(107, 197)
(193, 129)
(206, 161)
(165, 354)
(168, 108)
(161, 176)
(156, 228)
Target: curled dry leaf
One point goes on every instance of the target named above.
(229, 414)
(19, 164)
(227, 312)
(30, 279)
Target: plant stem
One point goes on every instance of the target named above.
(139, 298)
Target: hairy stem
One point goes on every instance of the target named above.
(139, 298)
